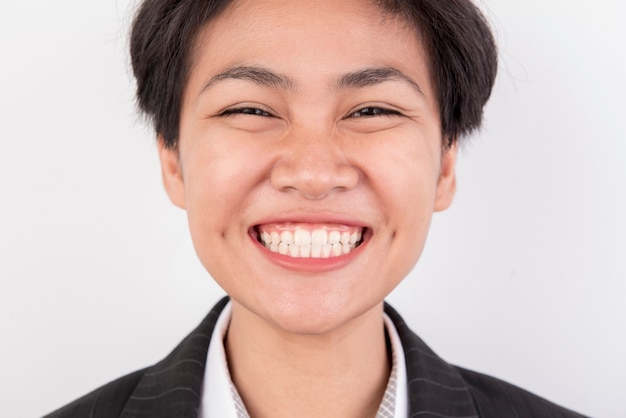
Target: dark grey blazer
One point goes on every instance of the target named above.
(172, 387)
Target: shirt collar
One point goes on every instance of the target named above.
(217, 398)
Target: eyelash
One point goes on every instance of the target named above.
(254, 111)
(365, 112)
(372, 111)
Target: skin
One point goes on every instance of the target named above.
(314, 151)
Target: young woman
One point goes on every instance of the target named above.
(309, 143)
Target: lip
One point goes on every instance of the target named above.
(312, 218)
(311, 265)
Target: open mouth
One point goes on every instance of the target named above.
(303, 240)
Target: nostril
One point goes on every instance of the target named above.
(314, 179)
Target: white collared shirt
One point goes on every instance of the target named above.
(220, 399)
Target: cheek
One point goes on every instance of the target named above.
(409, 234)
(217, 184)
(216, 166)
(406, 185)
(406, 178)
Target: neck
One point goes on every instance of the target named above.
(340, 373)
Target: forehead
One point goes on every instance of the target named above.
(323, 13)
(327, 36)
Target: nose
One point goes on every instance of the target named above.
(314, 167)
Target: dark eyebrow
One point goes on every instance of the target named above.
(257, 75)
(372, 76)
(357, 79)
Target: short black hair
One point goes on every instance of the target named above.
(458, 41)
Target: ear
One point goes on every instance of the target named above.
(446, 185)
(172, 174)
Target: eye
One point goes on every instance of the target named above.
(246, 110)
(371, 111)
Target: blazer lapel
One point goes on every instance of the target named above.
(172, 387)
(436, 389)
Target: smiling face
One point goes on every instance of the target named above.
(310, 158)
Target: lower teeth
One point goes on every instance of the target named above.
(310, 250)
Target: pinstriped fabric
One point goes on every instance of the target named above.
(172, 387)
(435, 388)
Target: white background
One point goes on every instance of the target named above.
(524, 278)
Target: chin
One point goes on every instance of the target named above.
(313, 316)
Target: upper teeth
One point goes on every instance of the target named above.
(310, 241)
